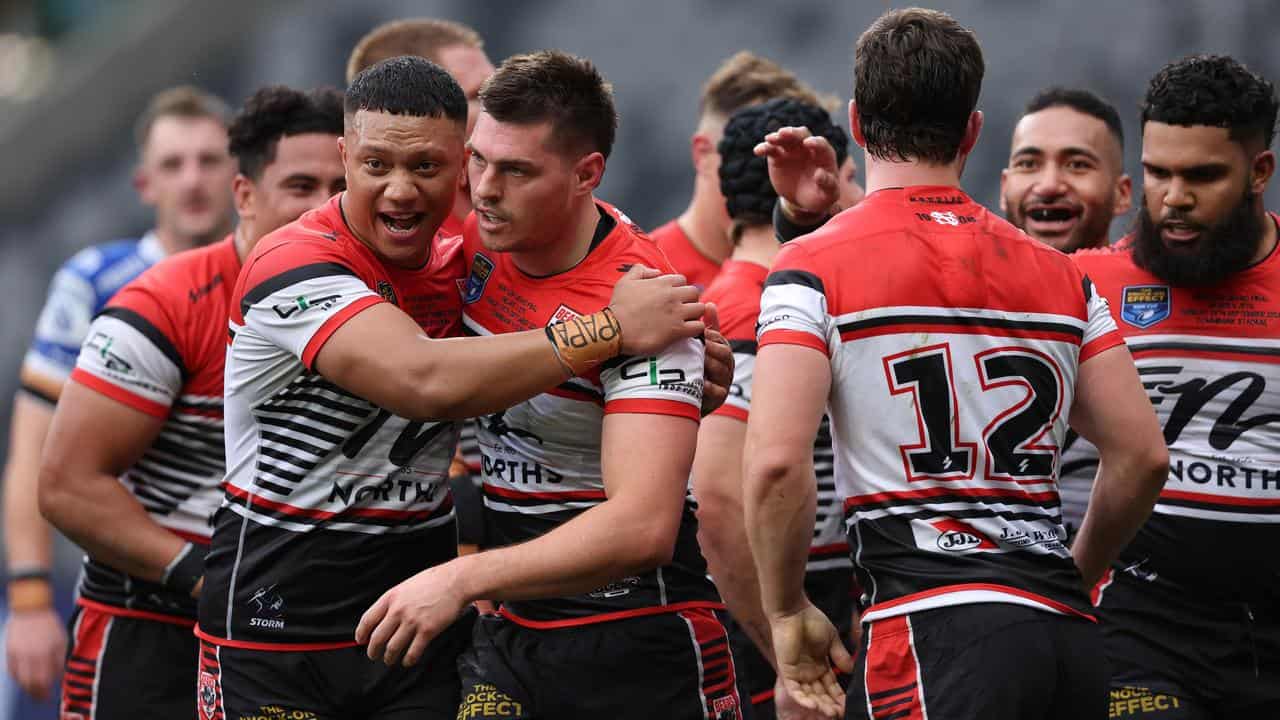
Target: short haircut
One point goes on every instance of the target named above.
(744, 177)
(1082, 101)
(556, 87)
(749, 79)
(406, 85)
(277, 111)
(421, 37)
(1213, 90)
(185, 101)
(917, 75)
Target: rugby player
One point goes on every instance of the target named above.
(1191, 609)
(717, 467)
(133, 464)
(335, 486)
(184, 172)
(1065, 181)
(953, 351)
(585, 485)
(697, 241)
(457, 48)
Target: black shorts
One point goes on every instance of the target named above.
(832, 592)
(236, 683)
(992, 661)
(128, 668)
(1174, 656)
(673, 666)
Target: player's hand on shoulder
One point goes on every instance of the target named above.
(802, 168)
(400, 625)
(717, 368)
(654, 310)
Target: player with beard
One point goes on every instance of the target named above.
(133, 464)
(337, 374)
(184, 172)
(1191, 609)
(951, 352)
(607, 610)
(717, 468)
(1065, 181)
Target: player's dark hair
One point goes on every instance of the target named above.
(917, 75)
(277, 111)
(424, 37)
(407, 85)
(556, 87)
(1082, 101)
(1213, 90)
(744, 177)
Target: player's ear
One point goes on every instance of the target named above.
(971, 132)
(1124, 194)
(701, 150)
(1004, 182)
(342, 149)
(855, 127)
(142, 184)
(242, 193)
(588, 172)
(1263, 167)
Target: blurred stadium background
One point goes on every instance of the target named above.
(75, 73)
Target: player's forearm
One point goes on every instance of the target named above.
(780, 500)
(97, 513)
(607, 542)
(28, 539)
(1124, 492)
(733, 569)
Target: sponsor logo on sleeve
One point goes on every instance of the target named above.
(302, 303)
(1144, 305)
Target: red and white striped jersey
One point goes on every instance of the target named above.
(158, 347)
(954, 342)
(541, 460)
(1210, 361)
(736, 294)
(330, 500)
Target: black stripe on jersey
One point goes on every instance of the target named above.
(286, 475)
(794, 277)
(285, 402)
(746, 347)
(963, 322)
(289, 277)
(302, 411)
(965, 499)
(928, 514)
(1140, 346)
(1220, 507)
(153, 471)
(152, 333)
(1087, 285)
(582, 389)
(300, 428)
(343, 516)
(294, 443)
(268, 485)
(169, 446)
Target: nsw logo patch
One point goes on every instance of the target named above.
(481, 269)
(1145, 305)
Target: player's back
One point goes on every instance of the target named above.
(954, 344)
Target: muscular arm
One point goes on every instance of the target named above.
(722, 531)
(93, 440)
(1112, 412)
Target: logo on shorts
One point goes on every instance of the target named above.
(1145, 305)
(481, 269)
(269, 608)
(725, 708)
(387, 292)
(208, 694)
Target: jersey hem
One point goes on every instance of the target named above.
(969, 594)
(271, 646)
(608, 617)
(117, 611)
(794, 337)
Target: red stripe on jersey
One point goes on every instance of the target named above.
(565, 392)
(350, 512)
(990, 587)
(652, 406)
(833, 549)
(607, 617)
(1099, 344)
(549, 496)
(956, 329)
(190, 536)
(119, 394)
(794, 337)
(1095, 595)
(1140, 352)
(1012, 493)
(273, 647)
(732, 411)
(1219, 499)
(893, 671)
(331, 326)
(137, 614)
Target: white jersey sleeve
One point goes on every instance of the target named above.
(128, 359)
(299, 316)
(793, 306)
(669, 383)
(1100, 332)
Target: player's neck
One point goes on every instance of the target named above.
(1268, 241)
(461, 206)
(245, 238)
(567, 248)
(757, 244)
(882, 174)
(703, 222)
(172, 242)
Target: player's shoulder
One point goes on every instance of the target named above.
(736, 295)
(313, 243)
(628, 244)
(191, 280)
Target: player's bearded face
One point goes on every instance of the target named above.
(402, 172)
(1221, 249)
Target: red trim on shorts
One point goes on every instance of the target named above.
(80, 681)
(560, 496)
(1095, 595)
(719, 681)
(762, 697)
(990, 587)
(136, 614)
(607, 617)
(892, 679)
(794, 337)
(331, 326)
(119, 394)
(209, 702)
(650, 406)
(271, 647)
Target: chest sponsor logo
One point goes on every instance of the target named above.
(950, 536)
(481, 269)
(1144, 305)
(387, 292)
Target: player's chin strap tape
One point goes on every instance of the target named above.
(583, 343)
(786, 230)
(184, 570)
